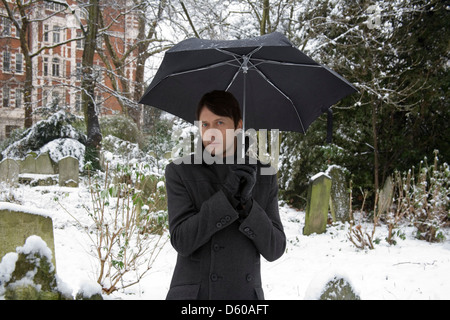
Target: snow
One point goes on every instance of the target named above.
(318, 175)
(7, 266)
(35, 245)
(15, 207)
(411, 269)
(90, 288)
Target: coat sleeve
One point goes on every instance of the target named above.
(263, 226)
(189, 227)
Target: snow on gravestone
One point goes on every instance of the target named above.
(317, 207)
(68, 172)
(9, 171)
(18, 222)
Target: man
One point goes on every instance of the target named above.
(222, 217)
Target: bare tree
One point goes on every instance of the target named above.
(120, 54)
(25, 15)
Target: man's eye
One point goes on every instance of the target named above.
(220, 122)
(204, 125)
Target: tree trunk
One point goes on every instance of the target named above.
(94, 136)
(28, 86)
(375, 144)
(265, 19)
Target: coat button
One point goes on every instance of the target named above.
(216, 247)
(214, 277)
(223, 221)
(249, 277)
(218, 225)
(227, 218)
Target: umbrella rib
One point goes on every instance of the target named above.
(241, 65)
(289, 64)
(204, 68)
(282, 93)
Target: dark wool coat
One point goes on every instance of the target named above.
(218, 253)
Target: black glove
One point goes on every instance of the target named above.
(247, 175)
(239, 183)
(231, 188)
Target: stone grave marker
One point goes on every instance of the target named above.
(9, 171)
(385, 196)
(17, 223)
(339, 196)
(29, 164)
(68, 172)
(44, 164)
(317, 207)
(339, 289)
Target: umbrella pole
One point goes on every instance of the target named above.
(244, 106)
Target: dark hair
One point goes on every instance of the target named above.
(222, 103)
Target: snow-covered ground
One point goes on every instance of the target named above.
(411, 269)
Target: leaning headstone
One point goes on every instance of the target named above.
(339, 196)
(9, 171)
(17, 223)
(385, 196)
(29, 164)
(68, 172)
(339, 289)
(317, 207)
(44, 164)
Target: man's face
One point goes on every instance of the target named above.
(218, 133)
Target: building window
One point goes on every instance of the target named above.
(56, 98)
(6, 26)
(79, 71)
(6, 61)
(5, 99)
(78, 102)
(80, 40)
(19, 63)
(44, 98)
(45, 67)
(46, 32)
(54, 6)
(18, 97)
(56, 34)
(55, 67)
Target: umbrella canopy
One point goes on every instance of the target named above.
(277, 86)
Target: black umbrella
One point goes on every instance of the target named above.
(277, 85)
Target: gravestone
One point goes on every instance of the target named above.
(317, 207)
(385, 196)
(44, 164)
(339, 196)
(29, 274)
(339, 289)
(9, 171)
(17, 223)
(28, 165)
(68, 172)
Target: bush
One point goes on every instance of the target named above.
(121, 127)
(58, 125)
(129, 215)
(424, 198)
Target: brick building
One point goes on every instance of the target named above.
(57, 69)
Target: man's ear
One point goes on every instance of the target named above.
(239, 125)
